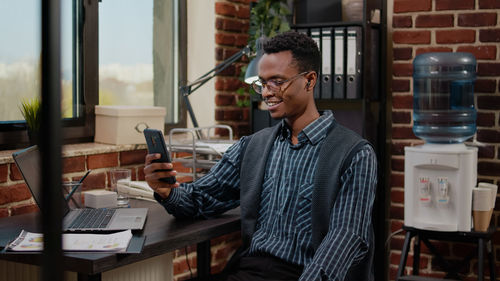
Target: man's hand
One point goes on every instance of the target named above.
(153, 175)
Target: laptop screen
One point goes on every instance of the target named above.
(28, 162)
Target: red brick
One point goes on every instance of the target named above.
(180, 266)
(400, 85)
(102, 160)
(477, 19)
(396, 225)
(401, 21)
(485, 86)
(486, 152)
(397, 164)
(229, 71)
(455, 36)
(224, 99)
(433, 50)
(397, 243)
(489, 4)
(223, 53)
(94, 180)
(485, 119)
(454, 5)
(480, 52)
(488, 168)
(489, 35)
(23, 209)
(229, 84)
(404, 6)
(402, 69)
(15, 174)
(14, 193)
(4, 171)
(487, 135)
(442, 247)
(229, 114)
(488, 69)
(398, 148)
(73, 164)
(241, 40)
(4, 212)
(225, 9)
(402, 102)
(242, 129)
(138, 173)
(243, 12)
(402, 133)
(132, 157)
(228, 24)
(434, 20)
(401, 117)
(397, 196)
(402, 53)
(488, 102)
(225, 39)
(412, 37)
(396, 212)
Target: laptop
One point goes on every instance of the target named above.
(81, 220)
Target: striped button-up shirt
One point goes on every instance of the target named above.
(284, 222)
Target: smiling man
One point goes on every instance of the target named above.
(305, 186)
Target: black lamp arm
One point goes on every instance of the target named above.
(188, 89)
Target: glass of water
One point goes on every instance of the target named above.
(120, 179)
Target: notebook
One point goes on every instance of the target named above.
(95, 220)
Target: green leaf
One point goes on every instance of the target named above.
(284, 26)
(241, 91)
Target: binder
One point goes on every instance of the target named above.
(339, 79)
(353, 83)
(316, 35)
(326, 63)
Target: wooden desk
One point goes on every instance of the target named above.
(163, 233)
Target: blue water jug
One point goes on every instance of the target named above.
(443, 97)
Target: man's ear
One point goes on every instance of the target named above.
(312, 78)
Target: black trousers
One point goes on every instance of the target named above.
(260, 268)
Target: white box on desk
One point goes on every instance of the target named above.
(123, 124)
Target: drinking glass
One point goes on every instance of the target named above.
(120, 179)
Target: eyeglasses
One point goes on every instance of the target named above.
(273, 85)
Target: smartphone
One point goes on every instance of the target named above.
(156, 144)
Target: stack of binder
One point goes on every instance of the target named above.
(341, 63)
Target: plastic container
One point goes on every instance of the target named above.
(443, 97)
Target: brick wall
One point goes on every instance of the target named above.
(444, 26)
(231, 24)
(15, 197)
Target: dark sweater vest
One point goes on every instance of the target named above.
(336, 153)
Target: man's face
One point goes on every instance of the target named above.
(292, 99)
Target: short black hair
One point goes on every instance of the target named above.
(304, 49)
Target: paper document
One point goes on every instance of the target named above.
(114, 242)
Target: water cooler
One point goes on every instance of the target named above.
(440, 174)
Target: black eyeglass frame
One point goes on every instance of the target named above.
(259, 85)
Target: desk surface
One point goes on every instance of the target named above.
(163, 233)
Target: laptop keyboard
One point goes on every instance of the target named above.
(92, 218)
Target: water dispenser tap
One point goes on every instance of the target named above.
(443, 189)
(424, 190)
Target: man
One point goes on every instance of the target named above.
(306, 186)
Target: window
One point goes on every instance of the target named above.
(138, 61)
(138, 43)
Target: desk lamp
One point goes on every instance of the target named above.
(250, 75)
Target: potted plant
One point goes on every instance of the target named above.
(31, 111)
